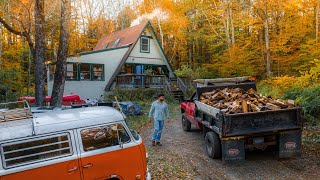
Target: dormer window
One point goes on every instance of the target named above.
(144, 44)
(116, 42)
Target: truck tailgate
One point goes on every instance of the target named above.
(264, 121)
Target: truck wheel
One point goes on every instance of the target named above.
(213, 145)
(186, 125)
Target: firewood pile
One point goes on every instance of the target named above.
(236, 100)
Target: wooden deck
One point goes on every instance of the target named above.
(140, 81)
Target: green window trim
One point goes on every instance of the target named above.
(73, 71)
(141, 45)
(80, 72)
(91, 72)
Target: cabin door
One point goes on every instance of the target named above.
(166, 71)
(139, 80)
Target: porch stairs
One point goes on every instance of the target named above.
(175, 89)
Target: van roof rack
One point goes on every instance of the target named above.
(13, 111)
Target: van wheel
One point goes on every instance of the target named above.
(186, 125)
(213, 145)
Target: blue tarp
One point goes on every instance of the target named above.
(131, 108)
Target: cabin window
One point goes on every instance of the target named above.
(153, 70)
(97, 71)
(72, 71)
(103, 137)
(24, 152)
(85, 73)
(127, 69)
(115, 43)
(144, 44)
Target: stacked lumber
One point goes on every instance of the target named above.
(236, 100)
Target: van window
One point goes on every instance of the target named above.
(135, 135)
(35, 150)
(103, 136)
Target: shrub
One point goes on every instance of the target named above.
(205, 73)
(141, 96)
(309, 99)
(184, 71)
(10, 85)
(293, 93)
(200, 72)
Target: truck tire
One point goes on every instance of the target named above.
(213, 145)
(186, 125)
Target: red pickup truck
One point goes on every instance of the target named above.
(228, 136)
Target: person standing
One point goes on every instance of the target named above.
(159, 109)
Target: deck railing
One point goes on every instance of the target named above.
(140, 81)
(182, 86)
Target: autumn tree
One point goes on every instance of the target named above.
(124, 18)
(61, 63)
(24, 19)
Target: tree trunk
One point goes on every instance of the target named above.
(266, 36)
(226, 21)
(233, 40)
(161, 33)
(317, 21)
(60, 73)
(261, 45)
(9, 33)
(1, 57)
(39, 54)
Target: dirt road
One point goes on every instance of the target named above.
(183, 156)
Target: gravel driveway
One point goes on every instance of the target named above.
(183, 156)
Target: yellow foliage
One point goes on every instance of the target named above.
(279, 85)
(284, 82)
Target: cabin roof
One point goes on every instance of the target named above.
(125, 37)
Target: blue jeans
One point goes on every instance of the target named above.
(158, 126)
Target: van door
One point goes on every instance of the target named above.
(103, 157)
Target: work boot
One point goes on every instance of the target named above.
(159, 144)
(153, 143)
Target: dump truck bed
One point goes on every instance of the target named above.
(246, 123)
(252, 122)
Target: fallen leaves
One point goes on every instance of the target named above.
(167, 165)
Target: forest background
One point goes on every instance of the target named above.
(276, 41)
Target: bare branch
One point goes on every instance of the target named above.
(9, 28)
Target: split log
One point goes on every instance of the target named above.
(255, 107)
(244, 106)
(272, 106)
